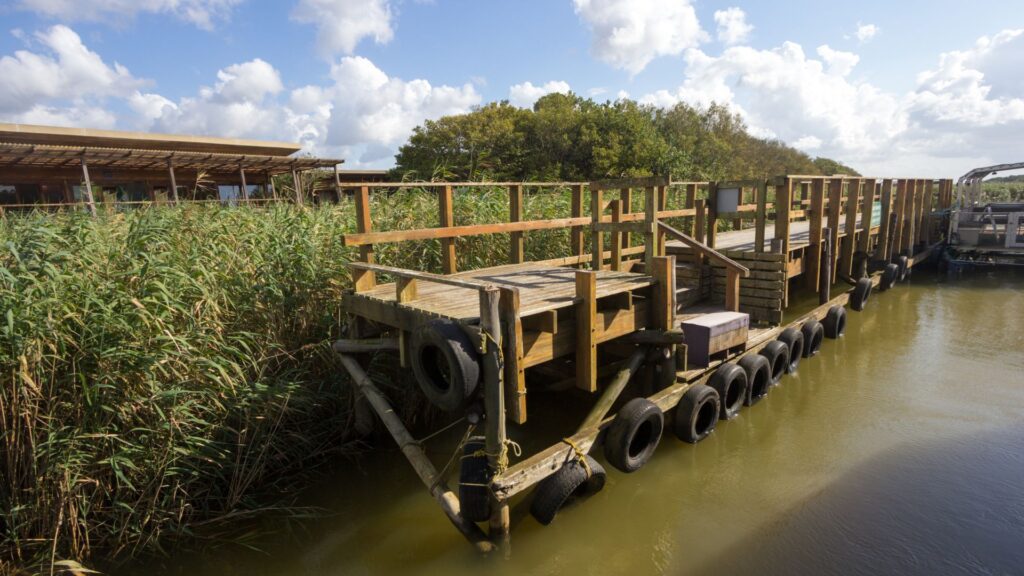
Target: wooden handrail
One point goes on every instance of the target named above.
(425, 276)
(705, 250)
(360, 239)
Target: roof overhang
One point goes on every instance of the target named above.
(56, 136)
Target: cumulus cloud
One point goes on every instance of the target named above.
(866, 32)
(65, 70)
(628, 34)
(342, 24)
(524, 95)
(732, 25)
(202, 13)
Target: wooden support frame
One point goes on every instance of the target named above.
(625, 208)
(867, 211)
(515, 214)
(812, 269)
(761, 199)
(576, 231)
(650, 225)
(849, 243)
(835, 203)
(495, 434)
(364, 279)
(885, 226)
(515, 371)
(712, 215)
(617, 235)
(596, 236)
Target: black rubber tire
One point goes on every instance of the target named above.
(759, 377)
(859, 269)
(889, 277)
(835, 322)
(904, 264)
(474, 476)
(445, 364)
(634, 435)
(794, 341)
(814, 334)
(861, 293)
(730, 381)
(777, 354)
(567, 484)
(696, 413)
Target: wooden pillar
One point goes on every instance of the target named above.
(902, 190)
(698, 220)
(884, 226)
(245, 186)
(616, 235)
(90, 201)
(761, 197)
(515, 214)
(650, 226)
(662, 204)
(576, 232)
(174, 182)
(586, 338)
(867, 211)
(337, 184)
(495, 434)
(910, 213)
(812, 272)
(364, 279)
(626, 207)
(663, 313)
(835, 202)
(596, 238)
(297, 184)
(446, 220)
(927, 200)
(849, 244)
(512, 351)
(737, 222)
(691, 202)
(783, 201)
(712, 218)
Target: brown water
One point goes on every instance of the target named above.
(899, 449)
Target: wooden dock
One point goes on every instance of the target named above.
(621, 313)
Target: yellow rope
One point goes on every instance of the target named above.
(580, 455)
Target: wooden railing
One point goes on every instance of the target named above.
(733, 270)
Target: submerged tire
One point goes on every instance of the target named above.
(474, 476)
(777, 354)
(814, 334)
(759, 377)
(794, 341)
(730, 381)
(861, 293)
(567, 484)
(634, 435)
(835, 322)
(445, 363)
(696, 414)
(904, 265)
(889, 277)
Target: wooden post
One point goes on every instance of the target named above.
(850, 238)
(364, 279)
(712, 218)
(626, 207)
(783, 203)
(447, 219)
(737, 222)
(596, 237)
(662, 204)
(406, 290)
(515, 214)
(650, 226)
(835, 202)
(90, 201)
(927, 199)
(586, 321)
(732, 290)
(812, 273)
(884, 228)
(761, 197)
(515, 372)
(616, 236)
(825, 290)
(494, 403)
(174, 182)
(245, 187)
(691, 202)
(337, 184)
(866, 213)
(910, 214)
(699, 224)
(297, 184)
(663, 313)
(576, 232)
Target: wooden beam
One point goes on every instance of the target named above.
(405, 292)
(245, 188)
(691, 202)
(644, 182)
(596, 237)
(362, 279)
(496, 439)
(849, 244)
(761, 193)
(297, 185)
(515, 214)
(835, 203)
(650, 225)
(866, 213)
(358, 239)
(586, 321)
(174, 182)
(699, 223)
(447, 220)
(576, 232)
(884, 227)
(616, 235)
(812, 275)
(663, 313)
(712, 217)
(625, 208)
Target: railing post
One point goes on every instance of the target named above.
(650, 226)
(812, 271)
(515, 214)
(732, 289)
(626, 207)
(364, 279)
(853, 189)
(447, 219)
(712, 218)
(867, 212)
(576, 232)
(884, 227)
(586, 320)
(761, 197)
(616, 236)
(596, 237)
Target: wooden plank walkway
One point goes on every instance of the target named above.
(743, 240)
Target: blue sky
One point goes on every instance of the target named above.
(893, 88)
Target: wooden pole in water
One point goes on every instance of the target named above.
(612, 391)
(420, 463)
(824, 294)
(494, 405)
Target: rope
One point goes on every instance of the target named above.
(580, 456)
(462, 443)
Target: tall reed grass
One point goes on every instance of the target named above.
(166, 372)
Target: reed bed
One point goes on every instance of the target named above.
(167, 371)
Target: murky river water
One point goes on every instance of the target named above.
(899, 449)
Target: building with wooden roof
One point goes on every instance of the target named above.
(45, 166)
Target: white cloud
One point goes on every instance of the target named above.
(732, 25)
(65, 70)
(839, 62)
(342, 24)
(866, 32)
(524, 95)
(202, 13)
(628, 34)
(807, 143)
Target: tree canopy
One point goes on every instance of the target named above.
(566, 137)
